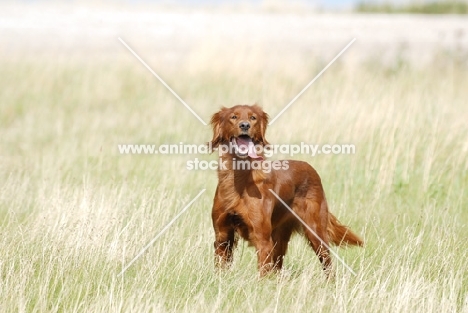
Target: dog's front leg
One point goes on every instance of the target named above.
(260, 235)
(224, 240)
(264, 246)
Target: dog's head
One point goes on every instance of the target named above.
(241, 126)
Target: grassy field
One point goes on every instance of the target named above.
(415, 7)
(74, 212)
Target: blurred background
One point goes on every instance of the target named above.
(189, 38)
(216, 53)
(414, 30)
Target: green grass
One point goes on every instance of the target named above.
(415, 7)
(73, 211)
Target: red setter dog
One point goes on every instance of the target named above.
(243, 204)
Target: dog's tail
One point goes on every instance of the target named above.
(340, 234)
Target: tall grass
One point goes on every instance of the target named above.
(73, 211)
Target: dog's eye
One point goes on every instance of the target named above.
(253, 118)
(233, 117)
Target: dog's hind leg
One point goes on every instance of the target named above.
(315, 215)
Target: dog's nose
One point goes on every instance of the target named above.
(244, 125)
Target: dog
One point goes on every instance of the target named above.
(245, 202)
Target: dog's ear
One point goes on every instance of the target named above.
(216, 121)
(263, 117)
(264, 124)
